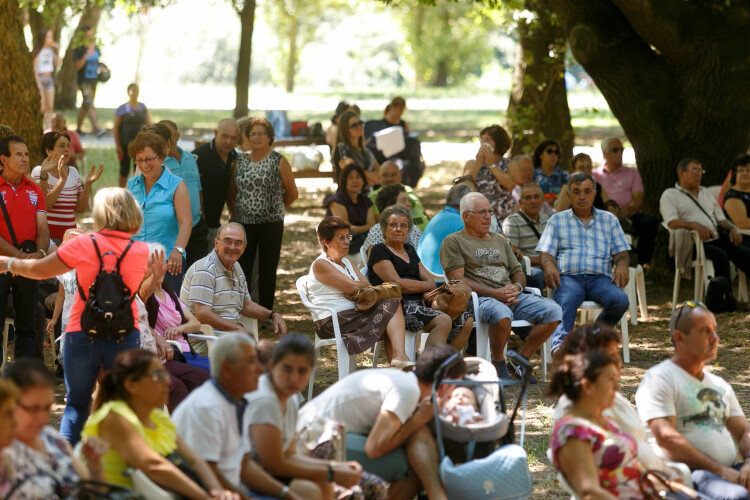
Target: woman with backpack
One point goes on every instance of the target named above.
(115, 264)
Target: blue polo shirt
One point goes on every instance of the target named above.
(159, 217)
(446, 222)
(187, 170)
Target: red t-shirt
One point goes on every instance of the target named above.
(23, 203)
(79, 254)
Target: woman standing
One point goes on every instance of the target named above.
(165, 202)
(129, 120)
(46, 60)
(272, 416)
(351, 150)
(262, 187)
(490, 171)
(350, 204)
(64, 193)
(397, 261)
(116, 219)
(547, 172)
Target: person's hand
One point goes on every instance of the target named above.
(50, 163)
(347, 474)
(94, 174)
(517, 253)
(49, 302)
(120, 152)
(551, 277)
(219, 494)
(172, 333)
(163, 348)
(90, 51)
(621, 276)
(744, 475)
(50, 328)
(62, 168)
(507, 294)
(156, 265)
(93, 449)
(735, 237)
(35, 255)
(174, 263)
(425, 411)
(279, 327)
(703, 232)
(730, 474)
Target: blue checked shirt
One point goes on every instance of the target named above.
(583, 249)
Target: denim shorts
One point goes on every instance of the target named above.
(46, 82)
(532, 308)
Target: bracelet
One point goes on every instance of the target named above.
(44, 252)
(9, 264)
(520, 288)
(284, 491)
(271, 315)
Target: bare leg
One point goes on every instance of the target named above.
(396, 333)
(439, 329)
(307, 489)
(537, 336)
(422, 454)
(406, 488)
(499, 335)
(92, 111)
(81, 115)
(459, 343)
(48, 104)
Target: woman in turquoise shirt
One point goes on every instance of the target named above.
(165, 202)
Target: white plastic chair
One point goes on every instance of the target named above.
(701, 265)
(346, 363)
(636, 290)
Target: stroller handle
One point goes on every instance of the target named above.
(443, 369)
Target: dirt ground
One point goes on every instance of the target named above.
(649, 340)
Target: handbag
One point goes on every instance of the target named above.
(451, 298)
(365, 298)
(103, 73)
(656, 485)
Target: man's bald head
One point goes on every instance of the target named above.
(389, 174)
(226, 135)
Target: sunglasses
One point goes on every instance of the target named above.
(617, 150)
(459, 180)
(551, 151)
(357, 124)
(688, 304)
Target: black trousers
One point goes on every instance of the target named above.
(721, 251)
(265, 241)
(24, 292)
(196, 246)
(646, 227)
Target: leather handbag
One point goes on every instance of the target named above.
(451, 298)
(365, 298)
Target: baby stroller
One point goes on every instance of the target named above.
(479, 460)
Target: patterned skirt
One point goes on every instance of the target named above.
(417, 316)
(360, 330)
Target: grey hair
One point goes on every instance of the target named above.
(397, 210)
(227, 348)
(579, 178)
(607, 143)
(518, 158)
(683, 164)
(531, 185)
(467, 202)
(453, 198)
(682, 319)
(232, 224)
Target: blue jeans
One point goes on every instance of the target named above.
(24, 292)
(535, 278)
(84, 357)
(574, 289)
(717, 488)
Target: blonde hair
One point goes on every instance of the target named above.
(116, 209)
(8, 392)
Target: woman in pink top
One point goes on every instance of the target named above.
(117, 218)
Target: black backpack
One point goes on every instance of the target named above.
(108, 312)
(719, 298)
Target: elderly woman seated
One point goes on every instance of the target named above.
(394, 194)
(396, 260)
(333, 281)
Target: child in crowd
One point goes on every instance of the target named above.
(461, 407)
(65, 296)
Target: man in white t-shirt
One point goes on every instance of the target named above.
(693, 414)
(384, 412)
(210, 420)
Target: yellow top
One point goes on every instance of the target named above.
(162, 438)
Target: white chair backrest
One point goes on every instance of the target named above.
(715, 191)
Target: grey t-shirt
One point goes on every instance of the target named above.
(490, 262)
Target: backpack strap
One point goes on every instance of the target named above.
(98, 253)
(122, 256)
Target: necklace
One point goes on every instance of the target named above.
(400, 253)
(343, 266)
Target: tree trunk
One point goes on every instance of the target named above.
(675, 76)
(538, 106)
(20, 105)
(67, 78)
(441, 74)
(291, 63)
(242, 80)
(52, 17)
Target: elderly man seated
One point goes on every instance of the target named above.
(486, 262)
(210, 420)
(694, 414)
(690, 206)
(390, 174)
(524, 228)
(578, 248)
(385, 412)
(215, 288)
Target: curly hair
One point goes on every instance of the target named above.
(148, 140)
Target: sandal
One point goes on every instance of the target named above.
(406, 366)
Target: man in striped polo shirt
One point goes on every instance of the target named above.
(524, 228)
(215, 288)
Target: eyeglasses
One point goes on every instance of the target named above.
(576, 192)
(397, 225)
(232, 243)
(551, 151)
(482, 213)
(617, 150)
(158, 375)
(459, 180)
(35, 409)
(356, 124)
(688, 304)
(341, 238)
(148, 159)
(257, 134)
(695, 170)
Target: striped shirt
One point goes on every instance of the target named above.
(61, 216)
(583, 249)
(208, 282)
(520, 235)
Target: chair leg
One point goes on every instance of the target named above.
(312, 377)
(546, 358)
(625, 339)
(632, 299)
(741, 286)
(640, 284)
(676, 288)
(375, 354)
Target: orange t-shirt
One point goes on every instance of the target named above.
(79, 254)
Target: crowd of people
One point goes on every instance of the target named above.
(222, 418)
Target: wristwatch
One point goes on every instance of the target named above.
(44, 252)
(180, 249)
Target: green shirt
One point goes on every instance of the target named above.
(490, 262)
(418, 216)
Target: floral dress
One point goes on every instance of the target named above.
(615, 453)
(501, 199)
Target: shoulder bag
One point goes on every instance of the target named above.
(366, 298)
(451, 298)
(27, 246)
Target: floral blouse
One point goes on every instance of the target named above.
(615, 453)
(501, 199)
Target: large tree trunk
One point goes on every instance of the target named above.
(675, 74)
(291, 63)
(20, 105)
(67, 78)
(242, 80)
(538, 106)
